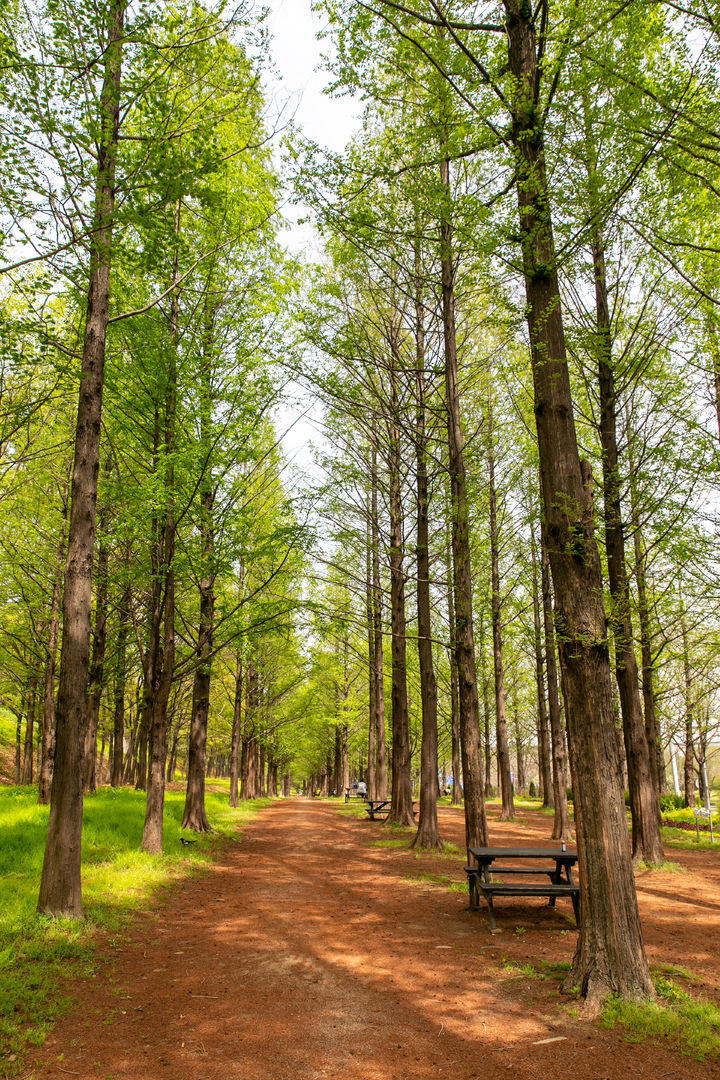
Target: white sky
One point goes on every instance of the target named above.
(297, 54)
(330, 121)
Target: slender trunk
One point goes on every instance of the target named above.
(562, 827)
(29, 747)
(97, 666)
(454, 689)
(401, 811)
(544, 769)
(119, 697)
(48, 721)
(476, 834)
(644, 799)
(60, 885)
(428, 834)
(194, 816)
(689, 770)
(381, 771)
(610, 955)
(372, 674)
(152, 657)
(236, 732)
(165, 666)
(652, 729)
(507, 812)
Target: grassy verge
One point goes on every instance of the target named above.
(675, 1019)
(37, 953)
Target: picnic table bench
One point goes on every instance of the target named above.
(558, 868)
(378, 809)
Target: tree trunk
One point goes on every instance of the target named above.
(610, 955)
(381, 770)
(97, 666)
(652, 730)
(401, 811)
(236, 732)
(152, 837)
(503, 747)
(372, 674)
(116, 774)
(544, 768)
(29, 747)
(475, 821)
(48, 720)
(562, 827)
(689, 770)
(454, 688)
(644, 801)
(428, 834)
(60, 886)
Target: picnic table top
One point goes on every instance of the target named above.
(488, 854)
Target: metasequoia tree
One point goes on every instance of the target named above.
(60, 887)
(610, 956)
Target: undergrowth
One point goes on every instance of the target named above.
(37, 952)
(676, 1019)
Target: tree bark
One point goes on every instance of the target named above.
(454, 688)
(545, 770)
(401, 807)
(652, 728)
(236, 732)
(381, 770)
(689, 767)
(644, 800)
(48, 719)
(96, 674)
(116, 775)
(507, 812)
(60, 885)
(428, 834)
(475, 821)
(372, 674)
(562, 826)
(610, 955)
(29, 747)
(152, 837)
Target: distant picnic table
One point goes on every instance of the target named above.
(354, 793)
(486, 875)
(378, 809)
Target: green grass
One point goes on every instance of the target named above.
(679, 838)
(36, 952)
(450, 883)
(675, 1019)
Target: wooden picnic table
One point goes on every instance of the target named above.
(558, 868)
(378, 809)
(353, 793)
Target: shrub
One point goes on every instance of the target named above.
(531, 790)
(671, 802)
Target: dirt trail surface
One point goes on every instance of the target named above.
(309, 952)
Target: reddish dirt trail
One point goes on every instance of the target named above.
(308, 952)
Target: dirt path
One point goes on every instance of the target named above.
(308, 952)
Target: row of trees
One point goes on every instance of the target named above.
(148, 538)
(514, 343)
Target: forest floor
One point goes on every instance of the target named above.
(310, 952)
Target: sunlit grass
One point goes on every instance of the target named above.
(444, 880)
(675, 1019)
(37, 952)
